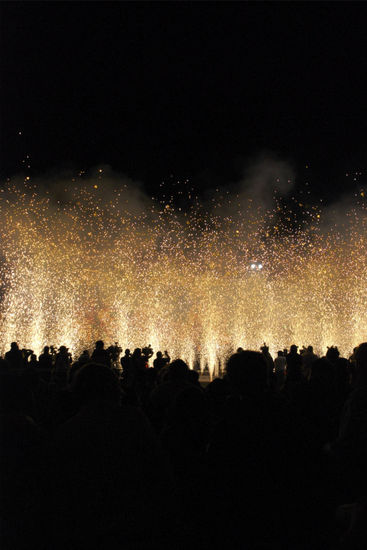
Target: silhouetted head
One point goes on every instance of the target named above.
(84, 358)
(310, 349)
(178, 370)
(246, 372)
(63, 349)
(361, 364)
(193, 377)
(137, 352)
(332, 354)
(361, 356)
(127, 351)
(293, 348)
(46, 349)
(99, 344)
(280, 353)
(95, 382)
(159, 354)
(14, 346)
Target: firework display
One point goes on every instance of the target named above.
(197, 281)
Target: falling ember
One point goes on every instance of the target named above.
(199, 284)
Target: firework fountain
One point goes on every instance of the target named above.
(186, 279)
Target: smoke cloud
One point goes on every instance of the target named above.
(264, 176)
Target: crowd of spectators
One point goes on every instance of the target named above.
(138, 453)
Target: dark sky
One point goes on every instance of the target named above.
(193, 89)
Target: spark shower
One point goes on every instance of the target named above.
(97, 264)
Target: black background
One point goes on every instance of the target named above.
(195, 90)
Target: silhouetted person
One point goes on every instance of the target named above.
(350, 447)
(352, 366)
(26, 353)
(308, 358)
(139, 360)
(101, 355)
(332, 354)
(163, 396)
(194, 378)
(294, 364)
(20, 438)
(45, 359)
(33, 361)
(147, 352)
(280, 367)
(114, 353)
(84, 358)
(15, 357)
(45, 364)
(248, 454)
(112, 482)
(63, 358)
(161, 361)
(340, 374)
(62, 363)
(185, 438)
(296, 390)
(127, 366)
(269, 362)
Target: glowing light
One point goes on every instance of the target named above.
(91, 267)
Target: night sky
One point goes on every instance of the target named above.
(192, 90)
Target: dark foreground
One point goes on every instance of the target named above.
(260, 459)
